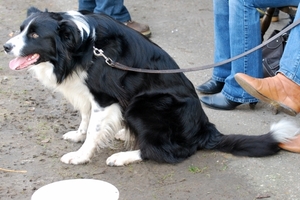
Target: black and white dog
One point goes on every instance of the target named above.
(158, 114)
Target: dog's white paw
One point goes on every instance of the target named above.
(116, 159)
(75, 158)
(120, 135)
(123, 158)
(74, 136)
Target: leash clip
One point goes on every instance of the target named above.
(100, 52)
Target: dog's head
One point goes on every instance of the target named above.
(48, 37)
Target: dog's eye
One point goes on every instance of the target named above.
(33, 35)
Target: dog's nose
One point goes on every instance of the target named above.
(7, 47)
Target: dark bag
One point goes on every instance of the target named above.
(271, 54)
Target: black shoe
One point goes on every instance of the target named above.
(219, 101)
(210, 87)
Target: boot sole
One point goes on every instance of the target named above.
(146, 33)
(252, 91)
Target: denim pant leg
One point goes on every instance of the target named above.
(221, 36)
(290, 61)
(113, 8)
(88, 5)
(244, 34)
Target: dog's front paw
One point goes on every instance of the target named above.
(75, 158)
(121, 135)
(123, 158)
(74, 136)
(116, 160)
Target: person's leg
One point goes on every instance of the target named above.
(222, 40)
(88, 5)
(244, 34)
(282, 90)
(290, 60)
(236, 30)
(290, 68)
(221, 47)
(113, 8)
(117, 10)
(244, 31)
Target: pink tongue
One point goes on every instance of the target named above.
(22, 62)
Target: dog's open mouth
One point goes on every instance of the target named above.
(23, 62)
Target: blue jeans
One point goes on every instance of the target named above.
(237, 29)
(113, 8)
(290, 60)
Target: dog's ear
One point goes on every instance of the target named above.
(32, 10)
(69, 34)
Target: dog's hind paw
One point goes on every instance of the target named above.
(124, 158)
(74, 136)
(75, 158)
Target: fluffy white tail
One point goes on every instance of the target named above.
(284, 130)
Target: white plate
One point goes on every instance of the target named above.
(77, 189)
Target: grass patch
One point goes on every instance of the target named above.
(194, 169)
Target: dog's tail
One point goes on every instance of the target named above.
(261, 145)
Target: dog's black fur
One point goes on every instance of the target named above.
(161, 111)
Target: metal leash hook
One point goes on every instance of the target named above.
(100, 52)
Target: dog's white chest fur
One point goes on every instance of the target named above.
(98, 125)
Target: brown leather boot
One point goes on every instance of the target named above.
(142, 28)
(279, 91)
(292, 146)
